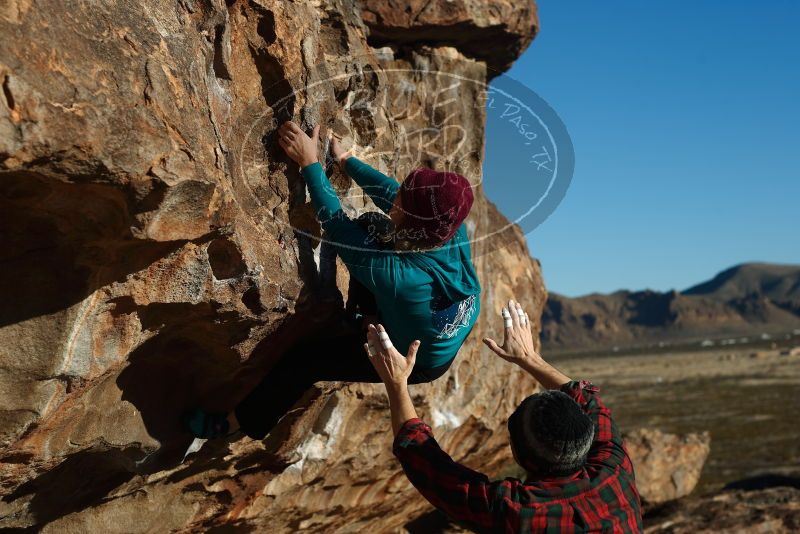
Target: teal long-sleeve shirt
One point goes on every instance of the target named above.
(433, 296)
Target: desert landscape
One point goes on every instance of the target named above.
(740, 305)
(720, 361)
(741, 397)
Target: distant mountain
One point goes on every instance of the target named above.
(745, 300)
(776, 282)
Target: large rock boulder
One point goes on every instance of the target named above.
(159, 250)
(667, 466)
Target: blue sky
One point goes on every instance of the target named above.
(685, 118)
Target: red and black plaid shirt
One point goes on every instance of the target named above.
(602, 497)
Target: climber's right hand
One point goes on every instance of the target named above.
(299, 146)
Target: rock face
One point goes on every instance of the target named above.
(503, 25)
(158, 251)
(667, 466)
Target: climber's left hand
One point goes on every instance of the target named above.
(297, 144)
(393, 368)
(339, 153)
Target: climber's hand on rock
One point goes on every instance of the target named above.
(298, 146)
(338, 151)
(392, 367)
(517, 344)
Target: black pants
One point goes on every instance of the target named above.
(338, 358)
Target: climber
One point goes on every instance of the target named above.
(412, 270)
(579, 476)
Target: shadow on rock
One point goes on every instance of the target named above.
(81, 480)
(180, 368)
(765, 481)
(63, 246)
(432, 522)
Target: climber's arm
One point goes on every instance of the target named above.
(323, 197)
(356, 247)
(303, 150)
(380, 188)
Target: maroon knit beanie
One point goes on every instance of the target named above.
(435, 204)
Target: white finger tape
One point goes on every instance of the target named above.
(385, 341)
(508, 323)
(506, 313)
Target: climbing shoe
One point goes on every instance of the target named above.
(204, 425)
